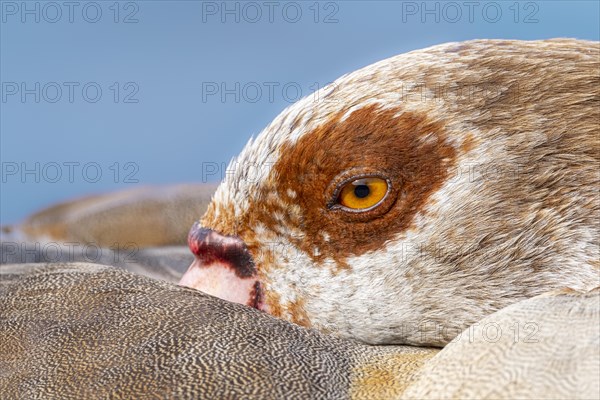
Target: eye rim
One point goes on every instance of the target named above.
(348, 177)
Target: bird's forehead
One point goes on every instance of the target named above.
(365, 119)
(384, 86)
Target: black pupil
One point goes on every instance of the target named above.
(361, 191)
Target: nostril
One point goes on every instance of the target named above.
(195, 237)
(210, 246)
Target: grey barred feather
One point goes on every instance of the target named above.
(73, 331)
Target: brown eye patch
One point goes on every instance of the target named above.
(371, 139)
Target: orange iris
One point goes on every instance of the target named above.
(363, 193)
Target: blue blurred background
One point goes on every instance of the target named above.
(99, 96)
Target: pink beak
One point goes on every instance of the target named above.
(223, 268)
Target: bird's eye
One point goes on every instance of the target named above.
(362, 194)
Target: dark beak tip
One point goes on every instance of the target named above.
(209, 246)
